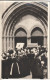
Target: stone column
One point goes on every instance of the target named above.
(10, 42)
(45, 41)
(28, 39)
(13, 44)
(4, 44)
(7, 43)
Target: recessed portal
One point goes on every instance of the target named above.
(21, 40)
(21, 37)
(37, 36)
(38, 39)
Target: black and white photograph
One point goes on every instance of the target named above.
(24, 40)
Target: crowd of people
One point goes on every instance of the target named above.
(32, 60)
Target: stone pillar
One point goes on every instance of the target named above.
(28, 39)
(10, 42)
(4, 44)
(13, 44)
(45, 41)
(7, 43)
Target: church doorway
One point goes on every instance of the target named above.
(21, 40)
(37, 36)
(38, 40)
(21, 37)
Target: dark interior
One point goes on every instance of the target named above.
(37, 39)
(21, 40)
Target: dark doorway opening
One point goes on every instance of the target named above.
(37, 39)
(21, 40)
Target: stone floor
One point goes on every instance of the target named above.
(27, 77)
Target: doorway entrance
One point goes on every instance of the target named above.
(21, 40)
(21, 37)
(37, 39)
(37, 36)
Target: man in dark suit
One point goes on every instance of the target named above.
(36, 67)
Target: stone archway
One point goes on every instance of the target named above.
(37, 36)
(43, 30)
(20, 36)
(14, 14)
